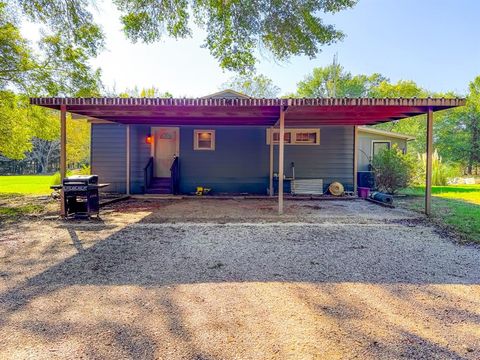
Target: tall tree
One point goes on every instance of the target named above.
(20, 123)
(15, 130)
(458, 134)
(415, 126)
(473, 124)
(78, 144)
(403, 88)
(151, 92)
(258, 86)
(236, 29)
(334, 81)
(59, 65)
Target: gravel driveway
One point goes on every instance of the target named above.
(228, 279)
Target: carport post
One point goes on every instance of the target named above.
(127, 185)
(63, 154)
(270, 188)
(355, 159)
(63, 141)
(428, 181)
(281, 155)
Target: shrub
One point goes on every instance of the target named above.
(393, 170)
(85, 170)
(56, 178)
(441, 172)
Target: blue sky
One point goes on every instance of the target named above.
(433, 42)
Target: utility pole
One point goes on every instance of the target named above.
(335, 65)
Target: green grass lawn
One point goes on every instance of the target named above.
(26, 184)
(457, 206)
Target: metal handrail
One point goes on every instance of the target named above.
(175, 175)
(148, 173)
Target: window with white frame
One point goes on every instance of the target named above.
(204, 139)
(306, 137)
(379, 145)
(287, 137)
(296, 136)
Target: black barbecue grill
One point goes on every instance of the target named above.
(80, 195)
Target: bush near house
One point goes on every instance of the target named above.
(393, 170)
(442, 172)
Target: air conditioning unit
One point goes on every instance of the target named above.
(366, 179)
(307, 187)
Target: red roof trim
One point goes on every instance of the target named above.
(434, 102)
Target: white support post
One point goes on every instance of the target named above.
(355, 159)
(127, 190)
(63, 154)
(270, 189)
(428, 180)
(281, 157)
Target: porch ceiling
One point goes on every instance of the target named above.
(251, 111)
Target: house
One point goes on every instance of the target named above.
(231, 159)
(371, 141)
(231, 143)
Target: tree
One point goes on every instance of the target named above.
(78, 141)
(22, 126)
(258, 86)
(44, 152)
(236, 29)
(403, 88)
(151, 92)
(60, 64)
(334, 81)
(473, 123)
(15, 130)
(458, 131)
(415, 126)
(16, 59)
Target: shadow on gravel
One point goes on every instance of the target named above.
(160, 254)
(155, 255)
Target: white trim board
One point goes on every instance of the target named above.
(385, 133)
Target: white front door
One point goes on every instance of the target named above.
(166, 145)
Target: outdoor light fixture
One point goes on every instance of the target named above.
(149, 139)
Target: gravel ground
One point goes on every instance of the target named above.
(229, 279)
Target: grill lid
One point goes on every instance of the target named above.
(81, 180)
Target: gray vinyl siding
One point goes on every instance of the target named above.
(139, 156)
(108, 155)
(331, 161)
(365, 147)
(240, 161)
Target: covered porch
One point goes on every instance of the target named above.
(275, 114)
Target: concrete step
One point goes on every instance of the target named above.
(158, 191)
(160, 185)
(164, 188)
(161, 180)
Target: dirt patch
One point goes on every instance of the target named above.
(13, 207)
(150, 280)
